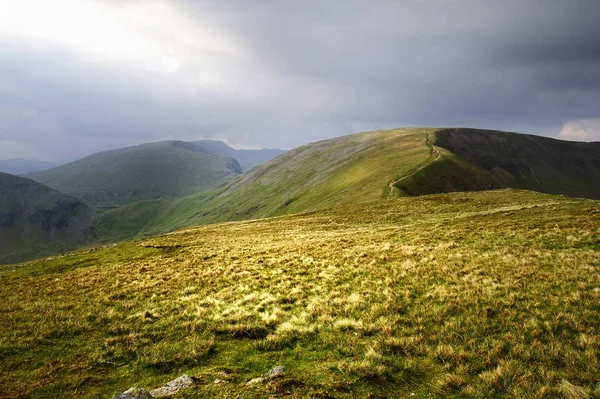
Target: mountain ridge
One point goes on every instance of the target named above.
(486, 159)
(365, 167)
(355, 168)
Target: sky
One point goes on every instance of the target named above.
(82, 76)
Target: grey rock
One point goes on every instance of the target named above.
(134, 393)
(172, 387)
(267, 376)
(273, 372)
(218, 381)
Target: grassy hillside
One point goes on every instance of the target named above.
(247, 158)
(479, 159)
(350, 169)
(479, 295)
(36, 220)
(374, 165)
(163, 170)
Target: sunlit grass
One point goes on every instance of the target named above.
(461, 295)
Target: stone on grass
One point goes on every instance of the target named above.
(172, 387)
(267, 376)
(134, 393)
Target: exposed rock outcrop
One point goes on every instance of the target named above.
(174, 386)
(277, 371)
(134, 393)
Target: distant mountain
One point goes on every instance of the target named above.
(36, 220)
(376, 165)
(247, 158)
(163, 170)
(22, 166)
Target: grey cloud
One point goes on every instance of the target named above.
(312, 70)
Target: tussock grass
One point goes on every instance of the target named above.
(492, 294)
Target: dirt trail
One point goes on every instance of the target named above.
(433, 156)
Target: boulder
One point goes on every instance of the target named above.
(135, 393)
(267, 376)
(172, 387)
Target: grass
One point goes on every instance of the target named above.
(489, 294)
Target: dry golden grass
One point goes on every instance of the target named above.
(492, 294)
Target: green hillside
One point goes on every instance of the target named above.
(374, 165)
(466, 295)
(36, 220)
(344, 170)
(162, 170)
(481, 159)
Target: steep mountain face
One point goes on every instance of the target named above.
(36, 220)
(247, 158)
(163, 170)
(475, 159)
(21, 166)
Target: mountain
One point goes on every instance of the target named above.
(473, 159)
(22, 166)
(247, 158)
(374, 165)
(37, 220)
(349, 169)
(162, 170)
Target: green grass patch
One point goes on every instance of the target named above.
(489, 294)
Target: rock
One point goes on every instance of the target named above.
(267, 376)
(172, 387)
(273, 373)
(256, 380)
(134, 393)
(218, 381)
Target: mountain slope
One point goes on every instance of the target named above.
(162, 170)
(21, 166)
(247, 158)
(344, 170)
(36, 220)
(473, 159)
(373, 165)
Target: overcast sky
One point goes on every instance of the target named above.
(81, 76)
